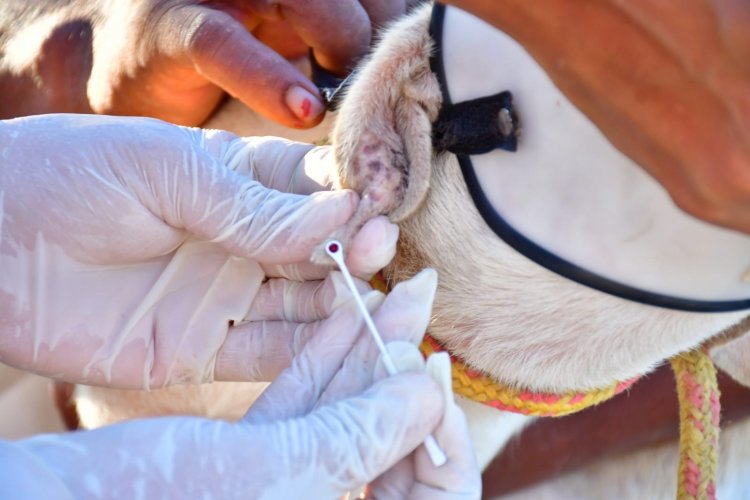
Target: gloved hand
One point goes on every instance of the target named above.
(308, 436)
(128, 246)
(415, 476)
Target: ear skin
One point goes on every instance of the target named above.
(383, 133)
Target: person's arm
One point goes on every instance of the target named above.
(667, 82)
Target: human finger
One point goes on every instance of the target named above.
(279, 36)
(288, 166)
(257, 351)
(190, 188)
(734, 18)
(302, 301)
(338, 31)
(404, 355)
(224, 52)
(404, 316)
(372, 248)
(245, 217)
(297, 389)
(301, 168)
(399, 480)
(416, 477)
(357, 439)
(383, 11)
(459, 478)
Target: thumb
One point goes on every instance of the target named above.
(196, 191)
(274, 227)
(240, 211)
(355, 440)
(289, 166)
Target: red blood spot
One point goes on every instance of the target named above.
(306, 108)
(333, 248)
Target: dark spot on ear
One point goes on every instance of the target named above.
(375, 166)
(371, 148)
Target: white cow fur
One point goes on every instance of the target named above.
(501, 312)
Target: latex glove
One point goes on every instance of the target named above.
(290, 445)
(127, 247)
(174, 59)
(415, 476)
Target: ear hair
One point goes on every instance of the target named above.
(385, 121)
(382, 138)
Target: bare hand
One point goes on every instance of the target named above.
(175, 59)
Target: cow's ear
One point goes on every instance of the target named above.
(382, 136)
(383, 133)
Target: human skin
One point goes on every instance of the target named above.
(176, 59)
(667, 82)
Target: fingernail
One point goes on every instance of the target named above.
(303, 104)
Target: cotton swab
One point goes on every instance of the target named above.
(335, 250)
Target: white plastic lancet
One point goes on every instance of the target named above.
(336, 251)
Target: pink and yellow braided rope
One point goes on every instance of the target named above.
(697, 390)
(479, 387)
(698, 393)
